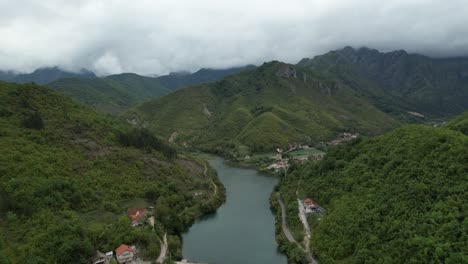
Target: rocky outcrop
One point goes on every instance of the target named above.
(286, 71)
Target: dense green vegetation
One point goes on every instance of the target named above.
(398, 82)
(399, 197)
(116, 93)
(143, 139)
(68, 175)
(460, 123)
(262, 108)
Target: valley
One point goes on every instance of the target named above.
(326, 157)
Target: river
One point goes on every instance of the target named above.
(242, 231)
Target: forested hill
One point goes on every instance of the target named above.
(116, 93)
(68, 175)
(395, 81)
(460, 123)
(43, 75)
(399, 197)
(262, 108)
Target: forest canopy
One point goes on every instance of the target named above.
(399, 196)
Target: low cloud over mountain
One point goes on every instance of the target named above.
(156, 37)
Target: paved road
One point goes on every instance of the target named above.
(288, 234)
(162, 255)
(302, 216)
(284, 224)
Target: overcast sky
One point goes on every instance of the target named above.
(156, 37)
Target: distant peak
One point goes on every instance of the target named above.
(179, 73)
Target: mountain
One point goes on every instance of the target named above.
(111, 94)
(7, 76)
(399, 82)
(116, 93)
(68, 175)
(398, 197)
(44, 75)
(269, 106)
(176, 81)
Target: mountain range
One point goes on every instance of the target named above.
(43, 75)
(436, 87)
(117, 93)
(268, 106)
(359, 90)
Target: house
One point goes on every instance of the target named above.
(301, 159)
(126, 254)
(316, 157)
(282, 164)
(101, 258)
(278, 156)
(311, 206)
(137, 215)
(308, 202)
(110, 255)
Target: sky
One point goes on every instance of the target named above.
(154, 37)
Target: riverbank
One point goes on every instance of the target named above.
(243, 229)
(286, 238)
(209, 202)
(290, 246)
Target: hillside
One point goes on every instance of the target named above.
(460, 123)
(68, 175)
(399, 197)
(43, 75)
(116, 93)
(398, 82)
(262, 108)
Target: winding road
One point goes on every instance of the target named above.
(288, 234)
(284, 224)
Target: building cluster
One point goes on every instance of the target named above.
(279, 165)
(282, 163)
(125, 254)
(344, 137)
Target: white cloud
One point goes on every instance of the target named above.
(107, 64)
(155, 37)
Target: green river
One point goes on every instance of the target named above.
(242, 231)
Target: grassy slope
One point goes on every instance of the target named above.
(262, 110)
(117, 93)
(399, 197)
(112, 94)
(64, 188)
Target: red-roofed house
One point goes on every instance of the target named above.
(137, 215)
(125, 254)
(310, 206)
(308, 201)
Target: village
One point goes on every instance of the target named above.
(299, 153)
(130, 254)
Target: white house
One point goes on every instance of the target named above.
(125, 254)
